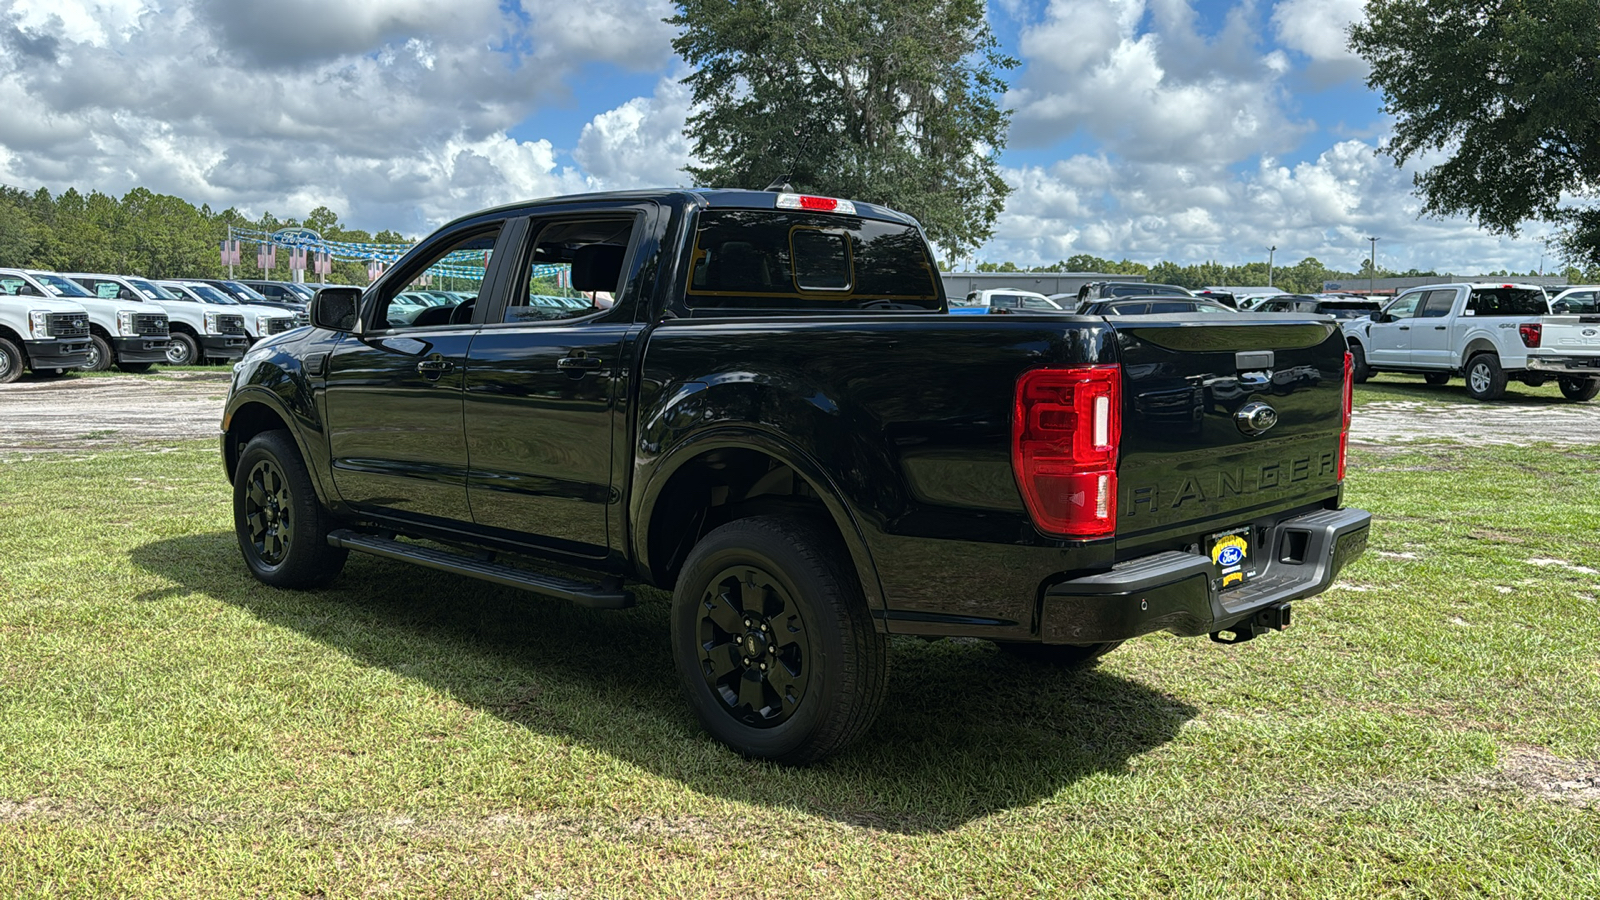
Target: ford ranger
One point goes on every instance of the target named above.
(755, 401)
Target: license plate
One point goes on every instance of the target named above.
(1230, 550)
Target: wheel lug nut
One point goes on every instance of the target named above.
(747, 660)
(764, 626)
(773, 650)
(763, 667)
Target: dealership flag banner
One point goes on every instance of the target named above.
(324, 264)
(230, 253)
(267, 257)
(297, 259)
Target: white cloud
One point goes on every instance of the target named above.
(640, 143)
(1320, 30)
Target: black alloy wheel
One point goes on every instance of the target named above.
(10, 362)
(775, 648)
(1359, 372)
(280, 524)
(182, 349)
(1579, 389)
(755, 652)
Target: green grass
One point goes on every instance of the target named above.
(172, 728)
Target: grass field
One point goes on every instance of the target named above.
(173, 729)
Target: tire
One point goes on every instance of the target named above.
(1064, 656)
(1359, 372)
(768, 610)
(1485, 379)
(1578, 389)
(134, 368)
(281, 526)
(183, 349)
(12, 362)
(101, 356)
(1437, 378)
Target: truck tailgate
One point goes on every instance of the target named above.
(1227, 424)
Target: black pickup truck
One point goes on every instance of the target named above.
(759, 402)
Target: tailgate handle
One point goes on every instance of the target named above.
(1247, 360)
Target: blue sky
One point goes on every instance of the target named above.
(1142, 129)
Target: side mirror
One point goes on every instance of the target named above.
(336, 308)
(1382, 318)
(1560, 308)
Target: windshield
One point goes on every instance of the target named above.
(301, 289)
(244, 291)
(152, 290)
(59, 286)
(205, 293)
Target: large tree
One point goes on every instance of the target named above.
(887, 101)
(1506, 90)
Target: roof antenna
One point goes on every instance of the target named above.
(781, 183)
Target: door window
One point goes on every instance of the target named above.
(574, 271)
(1438, 304)
(456, 268)
(1406, 306)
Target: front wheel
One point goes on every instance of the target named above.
(1579, 389)
(100, 354)
(281, 525)
(1485, 379)
(11, 362)
(1359, 373)
(1437, 378)
(773, 642)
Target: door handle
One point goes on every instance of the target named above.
(578, 364)
(432, 369)
(1438, 328)
(1405, 327)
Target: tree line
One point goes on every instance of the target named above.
(153, 235)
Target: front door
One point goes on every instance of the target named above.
(544, 382)
(394, 392)
(1390, 341)
(1430, 331)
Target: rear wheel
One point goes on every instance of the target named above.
(773, 643)
(1437, 378)
(1580, 389)
(100, 354)
(1485, 379)
(1359, 373)
(1065, 656)
(281, 526)
(11, 362)
(183, 349)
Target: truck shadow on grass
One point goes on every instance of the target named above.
(966, 731)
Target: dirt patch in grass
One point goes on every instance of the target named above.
(111, 412)
(1540, 773)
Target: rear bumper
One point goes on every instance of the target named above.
(69, 353)
(140, 349)
(1178, 592)
(1565, 365)
(224, 346)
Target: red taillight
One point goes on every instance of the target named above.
(1531, 334)
(1348, 400)
(1065, 430)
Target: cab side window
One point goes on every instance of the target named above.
(458, 268)
(1437, 305)
(575, 270)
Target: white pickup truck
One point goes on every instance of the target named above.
(1489, 333)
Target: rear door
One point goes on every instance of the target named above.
(393, 399)
(1229, 421)
(1430, 331)
(546, 378)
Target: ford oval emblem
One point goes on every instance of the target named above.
(1255, 417)
(1589, 332)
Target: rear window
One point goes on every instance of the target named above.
(760, 259)
(1508, 302)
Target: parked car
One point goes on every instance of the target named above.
(1340, 307)
(1003, 300)
(197, 331)
(1159, 305)
(746, 427)
(38, 332)
(259, 321)
(1576, 300)
(280, 291)
(126, 334)
(1106, 290)
(1488, 332)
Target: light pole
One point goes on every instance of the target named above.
(1270, 250)
(1372, 267)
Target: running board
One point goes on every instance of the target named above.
(596, 596)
